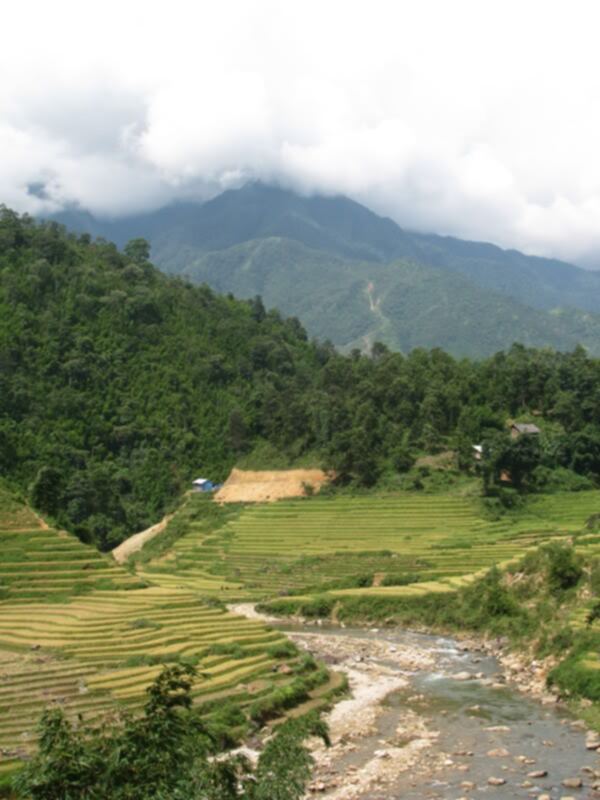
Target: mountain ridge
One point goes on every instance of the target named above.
(329, 248)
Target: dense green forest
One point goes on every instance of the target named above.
(118, 385)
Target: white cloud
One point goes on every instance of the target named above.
(475, 119)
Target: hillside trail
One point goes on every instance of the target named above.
(247, 486)
(41, 521)
(136, 542)
(242, 486)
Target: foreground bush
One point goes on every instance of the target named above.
(165, 754)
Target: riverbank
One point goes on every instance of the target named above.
(426, 712)
(374, 671)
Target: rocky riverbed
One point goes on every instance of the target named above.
(429, 717)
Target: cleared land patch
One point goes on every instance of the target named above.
(244, 486)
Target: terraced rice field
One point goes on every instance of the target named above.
(96, 652)
(351, 544)
(37, 562)
(75, 629)
(44, 564)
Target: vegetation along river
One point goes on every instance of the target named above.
(430, 717)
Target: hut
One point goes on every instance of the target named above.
(523, 429)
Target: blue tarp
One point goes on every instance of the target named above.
(207, 486)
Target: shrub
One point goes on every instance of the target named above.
(401, 579)
(284, 649)
(560, 642)
(145, 623)
(593, 523)
(559, 479)
(230, 649)
(278, 701)
(165, 752)
(593, 614)
(575, 678)
(281, 608)
(320, 606)
(489, 598)
(595, 576)
(564, 567)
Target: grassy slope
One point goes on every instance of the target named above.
(98, 651)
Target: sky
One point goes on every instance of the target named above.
(475, 118)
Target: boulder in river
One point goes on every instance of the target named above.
(592, 741)
(498, 752)
(572, 783)
(492, 781)
(382, 754)
(462, 676)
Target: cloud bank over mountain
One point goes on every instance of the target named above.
(473, 119)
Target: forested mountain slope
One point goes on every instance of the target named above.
(350, 275)
(118, 385)
(403, 304)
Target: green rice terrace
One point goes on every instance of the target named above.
(389, 544)
(79, 630)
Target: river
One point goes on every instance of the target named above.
(428, 718)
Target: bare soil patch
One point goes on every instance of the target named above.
(244, 486)
(135, 543)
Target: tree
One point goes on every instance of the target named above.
(515, 458)
(564, 568)
(46, 490)
(167, 753)
(137, 251)
(257, 309)
(238, 432)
